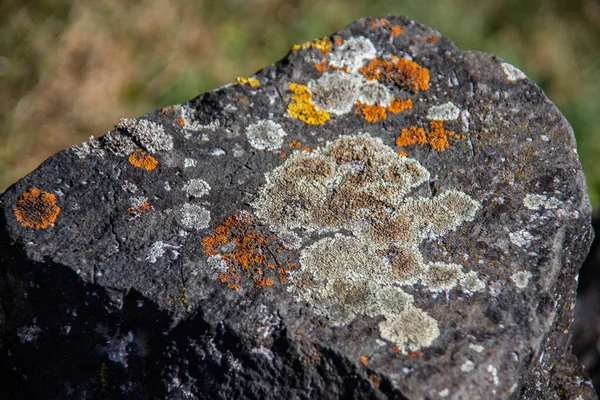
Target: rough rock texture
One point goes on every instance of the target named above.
(378, 215)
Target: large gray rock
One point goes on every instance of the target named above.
(377, 215)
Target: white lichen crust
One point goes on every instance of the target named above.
(352, 54)
(357, 184)
(194, 216)
(444, 112)
(265, 135)
(512, 73)
(540, 201)
(150, 135)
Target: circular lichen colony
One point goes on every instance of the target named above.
(357, 184)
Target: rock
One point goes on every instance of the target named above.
(378, 215)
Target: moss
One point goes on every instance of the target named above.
(36, 209)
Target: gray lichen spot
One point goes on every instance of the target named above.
(150, 135)
(512, 73)
(444, 393)
(445, 112)
(265, 135)
(467, 366)
(29, 334)
(158, 249)
(194, 216)
(91, 146)
(196, 188)
(189, 163)
(521, 279)
(476, 347)
(357, 184)
(540, 201)
(118, 144)
(353, 53)
(335, 92)
(520, 238)
(338, 92)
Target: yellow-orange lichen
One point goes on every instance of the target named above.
(430, 39)
(364, 360)
(338, 40)
(323, 45)
(36, 209)
(395, 30)
(282, 155)
(252, 82)
(402, 153)
(410, 136)
(305, 149)
(294, 144)
(415, 354)
(376, 380)
(140, 159)
(142, 208)
(324, 66)
(301, 107)
(437, 137)
(372, 113)
(401, 71)
(249, 255)
(398, 105)
(179, 121)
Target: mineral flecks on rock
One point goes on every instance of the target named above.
(380, 215)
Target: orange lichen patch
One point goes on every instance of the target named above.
(294, 144)
(401, 71)
(402, 153)
(305, 149)
(247, 257)
(165, 111)
(338, 40)
(282, 155)
(252, 82)
(395, 30)
(36, 209)
(324, 66)
(398, 105)
(323, 45)
(364, 360)
(438, 136)
(415, 354)
(142, 208)
(379, 23)
(302, 108)
(430, 39)
(140, 159)
(397, 350)
(376, 380)
(410, 136)
(372, 113)
(179, 121)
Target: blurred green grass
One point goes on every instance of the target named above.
(71, 69)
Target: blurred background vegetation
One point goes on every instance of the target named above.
(71, 69)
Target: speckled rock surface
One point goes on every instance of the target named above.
(378, 215)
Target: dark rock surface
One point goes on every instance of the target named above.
(378, 215)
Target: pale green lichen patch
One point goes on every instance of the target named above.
(521, 279)
(512, 73)
(337, 92)
(357, 184)
(540, 201)
(352, 54)
(196, 188)
(443, 112)
(150, 135)
(265, 135)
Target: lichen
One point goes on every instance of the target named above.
(512, 73)
(150, 135)
(140, 159)
(265, 135)
(443, 112)
(301, 107)
(403, 72)
(520, 238)
(352, 54)
(196, 188)
(437, 137)
(521, 279)
(36, 209)
(359, 185)
(194, 216)
(541, 202)
(252, 81)
(323, 45)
